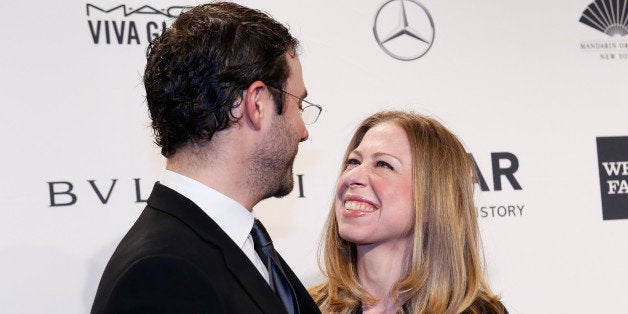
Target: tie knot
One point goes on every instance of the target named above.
(260, 236)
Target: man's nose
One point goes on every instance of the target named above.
(305, 134)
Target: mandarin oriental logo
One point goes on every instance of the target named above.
(607, 16)
(404, 29)
(128, 25)
(613, 168)
(609, 19)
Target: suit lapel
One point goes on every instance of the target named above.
(169, 201)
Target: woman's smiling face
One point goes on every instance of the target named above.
(374, 197)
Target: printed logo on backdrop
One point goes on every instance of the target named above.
(66, 192)
(612, 155)
(127, 24)
(404, 29)
(500, 178)
(609, 21)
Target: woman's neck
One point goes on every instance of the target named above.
(379, 267)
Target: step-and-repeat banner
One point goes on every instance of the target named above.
(537, 91)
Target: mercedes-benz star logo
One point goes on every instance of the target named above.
(413, 34)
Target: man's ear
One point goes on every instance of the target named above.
(253, 103)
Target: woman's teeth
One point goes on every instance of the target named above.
(362, 206)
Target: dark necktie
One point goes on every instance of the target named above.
(277, 277)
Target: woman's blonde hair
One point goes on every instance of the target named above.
(444, 271)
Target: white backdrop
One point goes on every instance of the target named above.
(523, 77)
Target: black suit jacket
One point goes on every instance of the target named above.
(175, 259)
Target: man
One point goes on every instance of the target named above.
(224, 89)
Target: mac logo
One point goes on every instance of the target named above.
(404, 29)
(125, 11)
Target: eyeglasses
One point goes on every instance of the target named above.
(309, 113)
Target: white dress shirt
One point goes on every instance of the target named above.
(235, 220)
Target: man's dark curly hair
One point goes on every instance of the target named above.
(197, 69)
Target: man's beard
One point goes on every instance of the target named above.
(270, 167)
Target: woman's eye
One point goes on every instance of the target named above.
(384, 165)
(351, 162)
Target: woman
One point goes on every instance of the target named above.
(402, 235)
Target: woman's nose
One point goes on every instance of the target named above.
(356, 177)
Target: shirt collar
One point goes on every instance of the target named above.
(235, 220)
